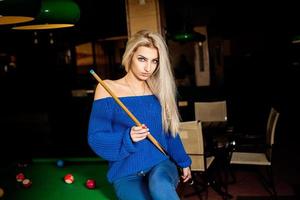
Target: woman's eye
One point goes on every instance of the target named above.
(155, 62)
(141, 59)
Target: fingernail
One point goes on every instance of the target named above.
(144, 126)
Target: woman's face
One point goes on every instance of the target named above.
(144, 62)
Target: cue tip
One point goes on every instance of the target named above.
(92, 71)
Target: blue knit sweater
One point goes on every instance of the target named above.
(108, 136)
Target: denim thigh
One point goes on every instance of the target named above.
(133, 187)
(163, 180)
(158, 183)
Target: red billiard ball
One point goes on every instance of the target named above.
(20, 177)
(26, 183)
(90, 183)
(69, 178)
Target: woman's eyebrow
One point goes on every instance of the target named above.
(139, 55)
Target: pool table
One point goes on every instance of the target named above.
(48, 180)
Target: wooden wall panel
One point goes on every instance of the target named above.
(144, 15)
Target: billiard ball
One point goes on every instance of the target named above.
(69, 178)
(60, 163)
(20, 177)
(26, 183)
(1, 192)
(90, 183)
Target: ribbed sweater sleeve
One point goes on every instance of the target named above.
(111, 145)
(177, 152)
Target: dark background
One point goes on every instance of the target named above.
(40, 117)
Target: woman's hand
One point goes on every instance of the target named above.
(138, 133)
(186, 174)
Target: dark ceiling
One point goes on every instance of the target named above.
(230, 19)
(98, 19)
(101, 19)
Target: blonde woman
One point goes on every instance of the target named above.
(137, 169)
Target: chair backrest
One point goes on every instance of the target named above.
(191, 136)
(214, 111)
(270, 130)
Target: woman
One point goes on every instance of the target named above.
(137, 169)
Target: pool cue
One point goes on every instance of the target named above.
(149, 136)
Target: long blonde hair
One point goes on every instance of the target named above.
(161, 82)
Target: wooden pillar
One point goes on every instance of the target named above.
(143, 14)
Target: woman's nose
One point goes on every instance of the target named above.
(147, 67)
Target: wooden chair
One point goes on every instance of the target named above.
(192, 138)
(213, 115)
(255, 158)
(214, 111)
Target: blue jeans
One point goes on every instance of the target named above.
(157, 183)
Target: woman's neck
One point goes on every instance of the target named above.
(134, 82)
(137, 87)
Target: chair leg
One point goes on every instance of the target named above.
(231, 178)
(206, 184)
(271, 179)
(227, 173)
(197, 185)
(218, 186)
(268, 182)
(201, 185)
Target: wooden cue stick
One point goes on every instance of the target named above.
(149, 136)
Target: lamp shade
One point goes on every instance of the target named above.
(296, 39)
(188, 36)
(18, 11)
(54, 14)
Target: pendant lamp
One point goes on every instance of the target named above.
(296, 39)
(54, 14)
(18, 11)
(183, 30)
(188, 36)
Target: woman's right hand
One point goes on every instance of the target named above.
(138, 133)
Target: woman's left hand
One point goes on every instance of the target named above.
(186, 174)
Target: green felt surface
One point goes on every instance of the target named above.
(48, 180)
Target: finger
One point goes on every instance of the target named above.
(142, 131)
(138, 139)
(187, 178)
(138, 135)
(136, 128)
(141, 135)
(143, 126)
(186, 175)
